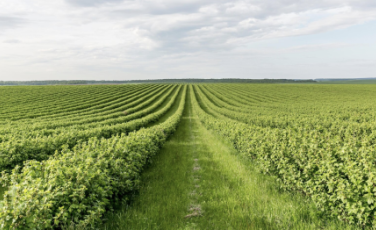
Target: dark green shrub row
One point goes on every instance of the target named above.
(327, 126)
(77, 186)
(15, 152)
(103, 111)
(338, 174)
(71, 100)
(116, 116)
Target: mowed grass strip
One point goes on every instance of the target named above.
(163, 199)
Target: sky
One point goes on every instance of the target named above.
(161, 39)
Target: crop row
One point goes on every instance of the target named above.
(15, 151)
(111, 112)
(25, 96)
(71, 98)
(74, 105)
(92, 107)
(337, 173)
(347, 131)
(359, 126)
(95, 122)
(76, 187)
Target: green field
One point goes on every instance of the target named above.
(354, 81)
(188, 156)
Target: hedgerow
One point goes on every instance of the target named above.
(76, 187)
(15, 151)
(338, 171)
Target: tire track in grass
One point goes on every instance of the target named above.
(194, 209)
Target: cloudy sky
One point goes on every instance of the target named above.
(149, 39)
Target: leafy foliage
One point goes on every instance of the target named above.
(330, 158)
(76, 187)
(17, 150)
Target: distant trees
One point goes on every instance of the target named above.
(82, 82)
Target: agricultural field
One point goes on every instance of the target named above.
(188, 156)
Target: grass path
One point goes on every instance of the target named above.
(198, 181)
(163, 199)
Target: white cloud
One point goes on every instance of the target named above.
(125, 36)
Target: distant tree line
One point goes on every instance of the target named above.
(75, 82)
(82, 82)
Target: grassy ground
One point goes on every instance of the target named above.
(198, 181)
(371, 81)
(163, 200)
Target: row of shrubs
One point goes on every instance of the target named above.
(76, 187)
